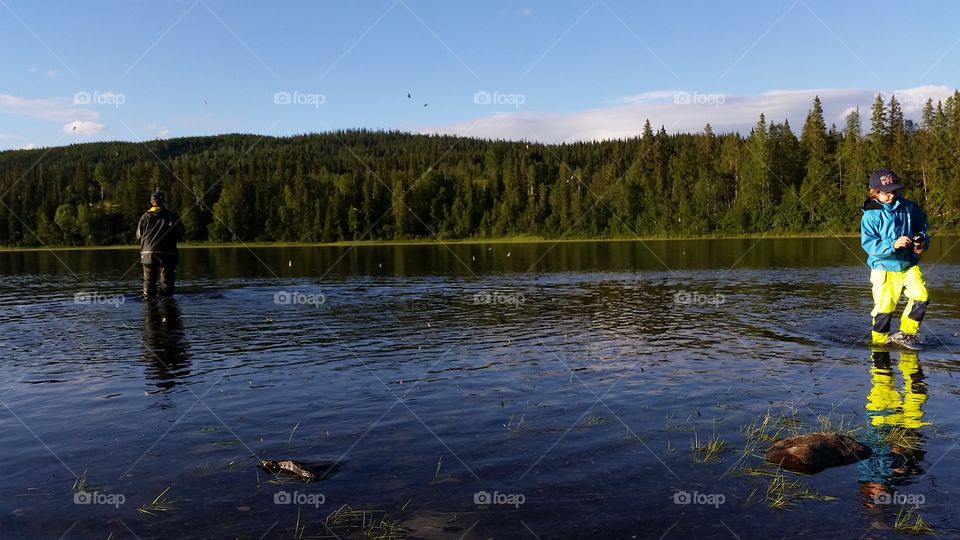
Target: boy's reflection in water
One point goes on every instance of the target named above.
(163, 344)
(894, 433)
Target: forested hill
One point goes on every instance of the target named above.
(387, 185)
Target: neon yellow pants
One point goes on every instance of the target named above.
(887, 287)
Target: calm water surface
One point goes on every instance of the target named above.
(470, 391)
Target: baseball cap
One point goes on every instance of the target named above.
(885, 180)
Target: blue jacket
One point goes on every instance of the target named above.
(880, 227)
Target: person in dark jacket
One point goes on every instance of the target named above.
(159, 231)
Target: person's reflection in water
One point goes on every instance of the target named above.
(163, 344)
(895, 421)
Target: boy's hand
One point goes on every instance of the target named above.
(902, 242)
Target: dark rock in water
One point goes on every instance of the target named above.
(815, 452)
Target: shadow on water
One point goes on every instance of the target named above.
(164, 347)
(895, 417)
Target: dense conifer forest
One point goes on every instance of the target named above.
(359, 185)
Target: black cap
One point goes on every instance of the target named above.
(885, 180)
(158, 197)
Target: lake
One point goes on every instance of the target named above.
(617, 389)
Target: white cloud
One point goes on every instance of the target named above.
(81, 127)
(525, 12)
(30, 146)
(33, 70)
(683, 111)
(648, 97)
(912, 100)
(52, 73)
(157, 130)
(52, 109)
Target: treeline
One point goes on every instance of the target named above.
(387, 185)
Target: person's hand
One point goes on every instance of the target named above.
(902, 242)
(918, 248)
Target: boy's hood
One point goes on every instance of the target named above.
(873, 204)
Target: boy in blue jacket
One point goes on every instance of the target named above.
(893, 232)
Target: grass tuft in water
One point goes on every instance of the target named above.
(707, 450)
(368, 523)
(903, 438)
(81, 482)
(519, 426)
(631, 435)
(782, 493)
(741, 463)
(762, 429)
(298, 530)
(840, 425)
(159, 504)
(678, 426)
(907, 523)
(771, 427)
(595, 420)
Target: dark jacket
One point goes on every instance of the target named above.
(159, 231)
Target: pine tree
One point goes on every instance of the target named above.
(897, 154)
(818, 193)
(851, 166)
(787, 165)
(399, 210)
(878, 141)
(755, 202)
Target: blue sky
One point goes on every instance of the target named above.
(537, 70)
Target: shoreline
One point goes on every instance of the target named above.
(429, 241)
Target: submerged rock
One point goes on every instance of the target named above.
(815, 452)
(306, 471)
(290, 467)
